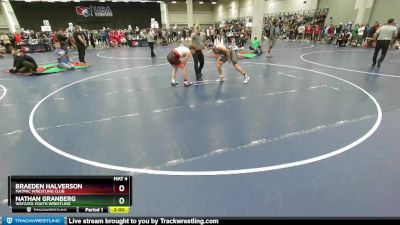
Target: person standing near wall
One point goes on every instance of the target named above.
(360, 35)
(92, 38)
(104, 39)
(316, 33)
(198, 40)
(218, 40)
(80, 43)
(271, 38)
(384, 36)
(300, 30)
(6, 42)
(150, 40)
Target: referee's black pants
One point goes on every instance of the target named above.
(381, 44)
(151, 45)
(198, 58)
(81, 53)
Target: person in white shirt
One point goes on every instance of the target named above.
(360, 35)
(6, 41)
(174, 58)
(218, 40)
(384, 36)
(151, 40)
(300, 31)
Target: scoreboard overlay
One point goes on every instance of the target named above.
(88, 194)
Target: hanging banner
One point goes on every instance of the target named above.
(100, 11)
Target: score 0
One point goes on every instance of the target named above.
(121, 188)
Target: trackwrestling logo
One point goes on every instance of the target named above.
(93, 11)
(42, 220)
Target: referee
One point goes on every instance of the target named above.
(198, 40)
(384, 35)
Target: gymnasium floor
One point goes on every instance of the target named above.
(313, 133)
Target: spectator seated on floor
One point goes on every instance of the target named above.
(23, 63)
(209, 43)
(164, 41)
(354, 43)
(343, 39)
(397, 45)
(124, 42)
(369, 43)
(62, 57)
(113, 43)
(2, 51)
(256, 46)
(242, 41)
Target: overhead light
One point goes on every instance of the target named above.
(158, 1)
(114, 0)
(173, 2)
(77, 0)
(201, 2)
(214, 3)
(28, 0)
(102, 0)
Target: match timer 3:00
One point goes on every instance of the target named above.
(75, 194)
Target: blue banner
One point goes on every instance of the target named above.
(44, 220)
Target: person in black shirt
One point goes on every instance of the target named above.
(63, 40)
(80, 43)
(23, 63)
(91, 38)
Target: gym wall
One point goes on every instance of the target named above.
(229, 9)
(385, 9)
(276, 6)
(340, 10)
(3, 22)
(202, 13)
(246, 8)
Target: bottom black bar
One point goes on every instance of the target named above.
(203, 221)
